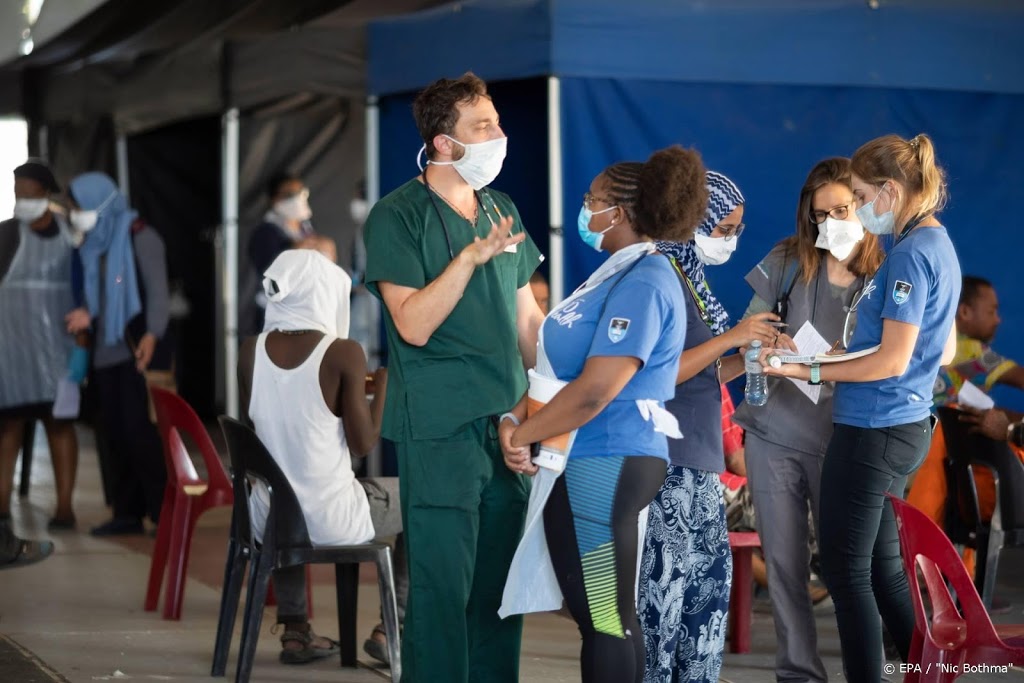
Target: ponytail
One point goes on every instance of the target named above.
(933, 182)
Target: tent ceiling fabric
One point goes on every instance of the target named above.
(963, 45)
(147, 64)
(55, 17)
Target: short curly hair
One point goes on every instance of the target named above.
(665, 197)
(436, 111)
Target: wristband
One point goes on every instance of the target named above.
(815, 374)
(510, 416)
(1013, 433)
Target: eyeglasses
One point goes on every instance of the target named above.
(589, 199)
(728, 233)
(839, 213)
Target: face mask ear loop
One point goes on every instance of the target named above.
(419, 157)
(106, 202)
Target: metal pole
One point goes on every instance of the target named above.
(121, 149)
(555, 216)
(372, 150)
(229, 128)
(374, 462)
(43, 140)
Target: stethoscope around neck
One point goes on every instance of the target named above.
(431, 192)
(852, 308)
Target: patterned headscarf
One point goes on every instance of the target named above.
(723, 198)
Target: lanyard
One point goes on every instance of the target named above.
(701, 306)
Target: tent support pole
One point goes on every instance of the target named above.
(372, 150)
(121, 153)
(555, 248)
(229, 287)
(43, 140)
(375, 460)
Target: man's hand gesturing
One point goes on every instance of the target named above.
(497, 240)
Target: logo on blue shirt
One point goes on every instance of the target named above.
(568, 315)
(901, 292)
(869, 289)
(617, 329)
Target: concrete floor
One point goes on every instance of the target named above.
(80, 611)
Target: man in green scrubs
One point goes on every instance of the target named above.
(452, 263)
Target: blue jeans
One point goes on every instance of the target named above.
(859, 546)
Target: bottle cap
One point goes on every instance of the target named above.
(774, 361)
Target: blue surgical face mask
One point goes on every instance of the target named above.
(590, 238)
(877, 225)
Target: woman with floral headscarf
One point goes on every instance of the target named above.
(686, 570)
(127, 304)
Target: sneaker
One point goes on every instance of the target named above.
(28, 552)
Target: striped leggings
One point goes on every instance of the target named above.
(590, 522)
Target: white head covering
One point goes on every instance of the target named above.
(305, 291)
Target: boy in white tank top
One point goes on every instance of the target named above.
(303, 386)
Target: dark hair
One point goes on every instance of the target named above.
(435, 109)
(538, 278)
(39, 171)
(971, 287)
(277, 180)
(664, 198)
(912, 164)
(867, 256)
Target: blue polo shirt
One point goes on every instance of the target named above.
(641, 314)
(918, 283)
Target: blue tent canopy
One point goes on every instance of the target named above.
(764, 89)
(964, 45)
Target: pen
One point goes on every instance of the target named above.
(777, 324)
(835, 347)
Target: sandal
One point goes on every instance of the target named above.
(307, 653)
(29, 552)
(376, 648)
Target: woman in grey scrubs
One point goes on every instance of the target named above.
(811, 278)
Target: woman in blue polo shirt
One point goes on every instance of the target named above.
(882, 401)
(616, 342)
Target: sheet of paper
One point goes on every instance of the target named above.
(809, 342)
(973, 397)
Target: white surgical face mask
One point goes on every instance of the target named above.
(359, 209)
(30, 210)
(295, 208)
(83, 220)
(481, 163)
(839, 237)
(714, 251)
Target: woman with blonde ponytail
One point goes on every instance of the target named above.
(882, 401)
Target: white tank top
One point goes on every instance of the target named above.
(308, 442)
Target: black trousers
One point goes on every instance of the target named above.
(134, 444)
(859, 545)
(590, 522)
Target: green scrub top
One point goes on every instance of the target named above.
(471, 366)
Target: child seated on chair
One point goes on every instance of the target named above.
(303, 386)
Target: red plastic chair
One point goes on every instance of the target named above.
(951, 639)
(185, 498)
(741, 598)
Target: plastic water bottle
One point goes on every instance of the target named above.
(756, 393)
